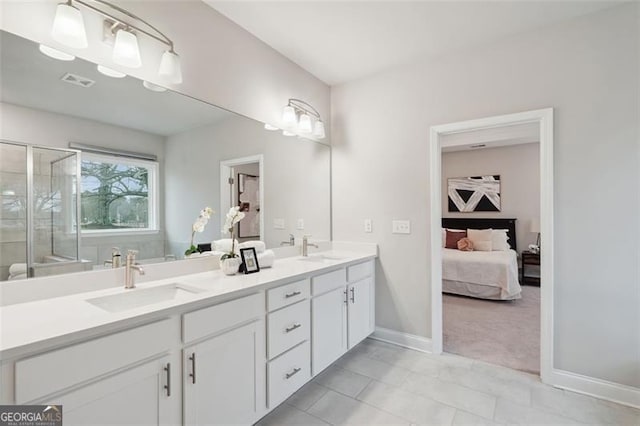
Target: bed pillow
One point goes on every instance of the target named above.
(453, 237)
(465, 244)
(499, 240)
(481, 238)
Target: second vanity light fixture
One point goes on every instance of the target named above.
(300, 118)
(69, 29)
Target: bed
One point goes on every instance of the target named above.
(481, 274)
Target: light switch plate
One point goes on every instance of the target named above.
(278, 223)
(300, 224)
(401, 226)
(368, 226)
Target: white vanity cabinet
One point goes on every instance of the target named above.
(224, 371)
(342, 312)
(120, 379)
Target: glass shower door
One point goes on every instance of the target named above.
(13, 211)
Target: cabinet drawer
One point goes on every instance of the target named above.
(287, 294)
(329, 281)
(207, 321)
(288, 373)
(288, 327)
(360, 271)
(54, 371)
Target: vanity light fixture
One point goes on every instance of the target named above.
(298, 119)
(110, 72)
(55, 53)
(120, 24)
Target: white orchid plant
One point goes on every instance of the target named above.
(198, 226)
(233, 217)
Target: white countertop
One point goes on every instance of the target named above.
(53, 322)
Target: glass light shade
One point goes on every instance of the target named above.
(304, 125)
(110, 72)
(153, 87)
(289, 118)
(288, 133)
(170, 67)
(68, 27)
(55, 53)
(270, 126)
(126, 51)
(318, 130)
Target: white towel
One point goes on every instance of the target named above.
(266, 259)
(258, 245)
(18, 269)
(223, 245)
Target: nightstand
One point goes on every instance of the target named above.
(530, 274)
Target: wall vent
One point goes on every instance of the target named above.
(78, 80)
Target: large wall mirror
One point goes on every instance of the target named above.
(144, 162)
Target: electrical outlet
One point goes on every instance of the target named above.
(368, 226)
(300, 224)
(401, 227)
(278, 223)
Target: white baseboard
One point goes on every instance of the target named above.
(411, 341)
(602, 389)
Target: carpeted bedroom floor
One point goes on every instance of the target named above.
(506, 333)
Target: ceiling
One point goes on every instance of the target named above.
(29, 78)
(339, 41)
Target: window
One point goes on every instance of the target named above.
(118, 195)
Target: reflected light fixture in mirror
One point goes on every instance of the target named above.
(68, 26)
(69, 29)
(110, 72)
(153, 87)
(270, 126)
(55, 53)
(298, 119)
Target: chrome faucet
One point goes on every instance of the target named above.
(291, 242)
(115, 261)
(129, 269)
(306, 244)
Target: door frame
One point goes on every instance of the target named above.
(225, 170)
(544, 118)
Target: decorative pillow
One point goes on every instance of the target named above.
(499, 240)
(465, 244)
(453, 238)
(481, 238)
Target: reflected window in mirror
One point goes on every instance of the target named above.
(118, 194)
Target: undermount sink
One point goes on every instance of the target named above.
(320, 258)
(136, 298)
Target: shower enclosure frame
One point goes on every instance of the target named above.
(30, 195)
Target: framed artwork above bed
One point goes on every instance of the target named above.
(474, 194)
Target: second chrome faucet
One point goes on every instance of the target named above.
(130, 268)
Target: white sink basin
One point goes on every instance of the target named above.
(136, 298)
(321, 258)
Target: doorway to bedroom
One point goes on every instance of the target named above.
(489, 293)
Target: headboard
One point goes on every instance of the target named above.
(476, 223)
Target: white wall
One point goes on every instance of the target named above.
(221, 62)
(519, 170)
(587, 69)
(296, 180)
(49, 129)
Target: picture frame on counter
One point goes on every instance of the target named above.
(249, 260)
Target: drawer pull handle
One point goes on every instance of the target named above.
(293, 327)
(353, 295)
(167, 368)
(293, 373)
(292, 294)
(192, 358)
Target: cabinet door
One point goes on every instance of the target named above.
(360, 311)
(328, 328)
(225, 378)
(134, 396)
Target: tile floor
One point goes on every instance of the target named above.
(381, 384)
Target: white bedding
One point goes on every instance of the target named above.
(496, 269)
